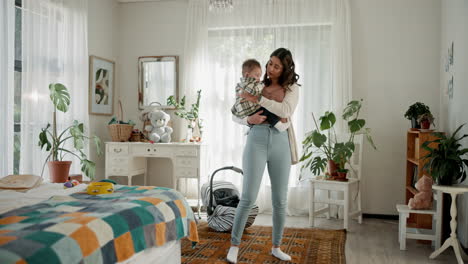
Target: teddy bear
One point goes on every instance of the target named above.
(158, 131)
(423, 199)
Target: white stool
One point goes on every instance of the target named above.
(420, 233)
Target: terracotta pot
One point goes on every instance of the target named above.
(59, 170)
(425, 124)
(332, 168)
(341, 176)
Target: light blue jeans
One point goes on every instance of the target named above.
(265, 146)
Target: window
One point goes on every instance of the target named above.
(17, 85)
(229, 47)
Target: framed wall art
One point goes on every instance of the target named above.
(101, 85)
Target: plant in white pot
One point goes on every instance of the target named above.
(55, 142)
(195, 127)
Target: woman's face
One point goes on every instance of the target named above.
(274, 68)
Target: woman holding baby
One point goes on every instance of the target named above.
(269, 146)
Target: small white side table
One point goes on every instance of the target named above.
(452, 240)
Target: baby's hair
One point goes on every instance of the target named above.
(249, 65)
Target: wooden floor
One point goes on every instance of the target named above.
(374, 241)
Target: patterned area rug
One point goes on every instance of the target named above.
(305, 245)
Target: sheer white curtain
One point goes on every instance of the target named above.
(254, 29)
(54, 50)
(7, 60)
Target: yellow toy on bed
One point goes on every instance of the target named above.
(96, 188)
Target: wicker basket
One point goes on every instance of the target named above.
(120, 132)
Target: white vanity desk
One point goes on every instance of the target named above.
(129, 159)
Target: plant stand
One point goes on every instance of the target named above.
(452, 240)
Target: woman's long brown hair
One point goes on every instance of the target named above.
(288, 76)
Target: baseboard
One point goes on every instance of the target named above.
(381, 216)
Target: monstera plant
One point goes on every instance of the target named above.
(55, 142)
(322, 147)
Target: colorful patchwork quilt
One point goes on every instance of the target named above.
(106, 228)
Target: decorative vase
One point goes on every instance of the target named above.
(59, 171)
(189, 134)
(196, 135)
(193, 131)
(414, 124)
(332, 168)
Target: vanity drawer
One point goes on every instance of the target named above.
(183, 172)
(117, 149)
(151, 150)
(187, 151)
(118, 161)
(186, 162)
(118, 170)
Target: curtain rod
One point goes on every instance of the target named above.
(268, 26)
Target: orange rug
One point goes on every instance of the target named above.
(305, 245)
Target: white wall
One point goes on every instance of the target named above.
(395, 63)
(150, 29)
(454, 21)
(102, 32)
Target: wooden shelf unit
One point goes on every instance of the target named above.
(414, 161)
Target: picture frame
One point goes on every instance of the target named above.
(101, 85)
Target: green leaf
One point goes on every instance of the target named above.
(305, 156)
(356, 124)
(59, 96)
(327, 120)
(89, 168)
(318, 139)
(367, 132)
(43, 140)
(352, 108)
(76, 131)
(318, 165)
(350, 146)
(98, 143)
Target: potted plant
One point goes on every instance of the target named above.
(414, 111)
(425, 120)
(55, 142)
(194, 131)
(322, 148)
(445, 158)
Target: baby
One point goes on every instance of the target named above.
(250, 83)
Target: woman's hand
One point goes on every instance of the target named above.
(256, 118)
(248, 97)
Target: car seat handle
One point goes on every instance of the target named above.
(210, 208)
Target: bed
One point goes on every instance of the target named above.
(135, 224)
